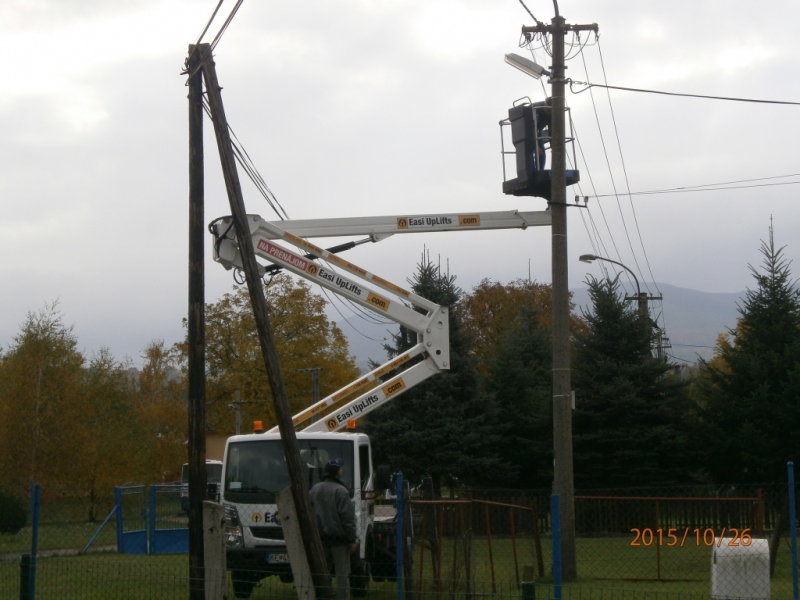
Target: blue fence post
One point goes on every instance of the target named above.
(120, 530)
(555, 519)
(151, 522)
(36, 494)
(400, 536)
(793, 528)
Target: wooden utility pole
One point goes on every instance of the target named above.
(305, 516)
(196, 327)
(563, 483)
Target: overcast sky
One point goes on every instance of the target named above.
(382, 107)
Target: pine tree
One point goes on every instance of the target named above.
(519, 383)
(440, 428)
(749, 392)
(630, 419)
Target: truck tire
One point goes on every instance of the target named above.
(359, 580)
(243, 583)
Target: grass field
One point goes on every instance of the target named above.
(609, 569)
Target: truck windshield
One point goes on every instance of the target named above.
(213, 472)
(256, 471)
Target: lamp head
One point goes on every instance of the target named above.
(587, 258)
(526, 66)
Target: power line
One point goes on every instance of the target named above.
(215, 41)
(627, 185)
(684, 190)
(630, 89)
(692, 346)
(611, 175)
(244, 160)
(537, 21)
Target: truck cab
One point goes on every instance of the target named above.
(213, 478)
(254, 471)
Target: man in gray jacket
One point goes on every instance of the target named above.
(336, 517)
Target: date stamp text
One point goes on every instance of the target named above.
(700, 537)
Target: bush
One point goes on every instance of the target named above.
(13, 516)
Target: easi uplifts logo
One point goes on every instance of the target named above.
(423, 222)
(341, 282)
(354, 410)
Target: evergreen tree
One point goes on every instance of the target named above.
(748, 393)
(440, 428)
(630, 419)
(519, 383)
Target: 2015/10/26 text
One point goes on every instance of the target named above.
(706, 537)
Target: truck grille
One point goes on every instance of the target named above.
(267, 533)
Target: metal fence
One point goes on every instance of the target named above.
(682, 542)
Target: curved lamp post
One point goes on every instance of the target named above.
(640, 297)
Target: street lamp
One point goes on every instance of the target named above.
(527, 66)
(640, 297)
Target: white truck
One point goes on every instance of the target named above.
(213, 479)
(254, 469)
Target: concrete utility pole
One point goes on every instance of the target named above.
(196, 327)
(563, 483)
(305, 515)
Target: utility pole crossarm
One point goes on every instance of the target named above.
(544, 28)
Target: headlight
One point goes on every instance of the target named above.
(233, 528)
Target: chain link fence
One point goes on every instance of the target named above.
(681, 542)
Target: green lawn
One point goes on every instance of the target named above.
(609, 569)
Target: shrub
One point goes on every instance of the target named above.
(13, 516)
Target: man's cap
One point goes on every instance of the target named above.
(333, 466)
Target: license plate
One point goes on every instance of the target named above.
(277, 558)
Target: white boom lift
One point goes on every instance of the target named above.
(254, 470)
(431, 327)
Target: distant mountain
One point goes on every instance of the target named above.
(693, 319)
(693, 322)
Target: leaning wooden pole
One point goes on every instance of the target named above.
(305, 516)
(196, 327)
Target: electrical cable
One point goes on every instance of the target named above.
(214, 42)
(628, 187)
(613, 184)
(633, 208)
(243, 158)
(537, 21)
(594, 227)
(361, 333)
(641, 278)
(684, 190)
(630, 89)
(611, 175)
(692, 346)
(205, 29)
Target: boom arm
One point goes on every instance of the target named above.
(431, 327)
(379, 228)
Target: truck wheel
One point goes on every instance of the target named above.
(243, 583)
(359, 580)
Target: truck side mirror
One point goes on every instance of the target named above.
(383, 477)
